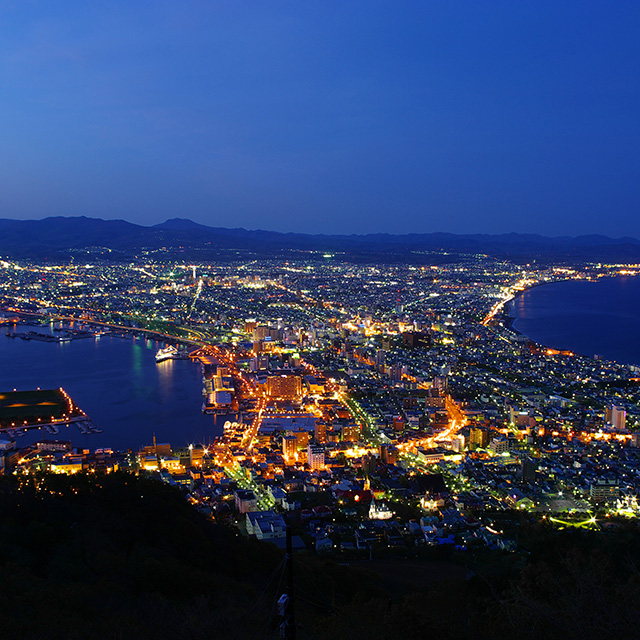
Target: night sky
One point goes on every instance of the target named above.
(325, 116)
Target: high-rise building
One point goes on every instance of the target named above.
(499, 445)
(249, 325)
(350, 432)
(440, 382)
(286, 387)
(457, 443)
(369, 464)
(321, 431)
(302, 438)
(289, 447)
(259, 363)
(529, 468)
(260, 332)
(315, 455)
(605, 491)
(616, 417)
(479, 438)
(388, 454)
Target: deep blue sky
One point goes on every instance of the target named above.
(325, 116)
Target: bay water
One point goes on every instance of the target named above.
(588, 317)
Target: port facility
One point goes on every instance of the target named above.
(37, 409)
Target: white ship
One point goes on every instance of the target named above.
(168, 353)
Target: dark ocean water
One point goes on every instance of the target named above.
(591, 318)
(117, 383)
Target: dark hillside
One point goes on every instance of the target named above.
(123, 557)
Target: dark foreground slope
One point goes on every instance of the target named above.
(124, 557)
(116, 556)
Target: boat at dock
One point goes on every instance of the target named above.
(170, 353)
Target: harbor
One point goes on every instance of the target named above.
(115, 378)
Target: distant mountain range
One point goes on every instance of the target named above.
(59, 237)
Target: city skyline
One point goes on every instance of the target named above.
(340, 118)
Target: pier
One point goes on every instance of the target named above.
(49, 410)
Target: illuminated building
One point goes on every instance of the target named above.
(440, 382)
(259, 363)
(604, 491)
(245, 500)
(388, 454)
(302, 438)
(435, 398)
(414, 339)
(196, 453)
(289, 447)
(64, 466)
(457, 443)
(8, 445)
(286, 387)
(162, 449)
(315, 456)
(260, 333)
(350, 432)
(321, 431)
(265, 525)
(498, 446)
(616, 417)
(479, 438)
(521, 419)
(379, 511)
(54, 445)
(395, 372)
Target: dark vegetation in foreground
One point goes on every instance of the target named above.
(123, 557)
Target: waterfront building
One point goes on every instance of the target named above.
(7, 445)
(54, 445)
(196, 453)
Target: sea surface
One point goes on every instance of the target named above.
(591, 318)
(117, 383)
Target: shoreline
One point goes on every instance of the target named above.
(509, 318)
(150, 334)
(133, 400)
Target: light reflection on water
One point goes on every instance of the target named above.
(117, 382)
